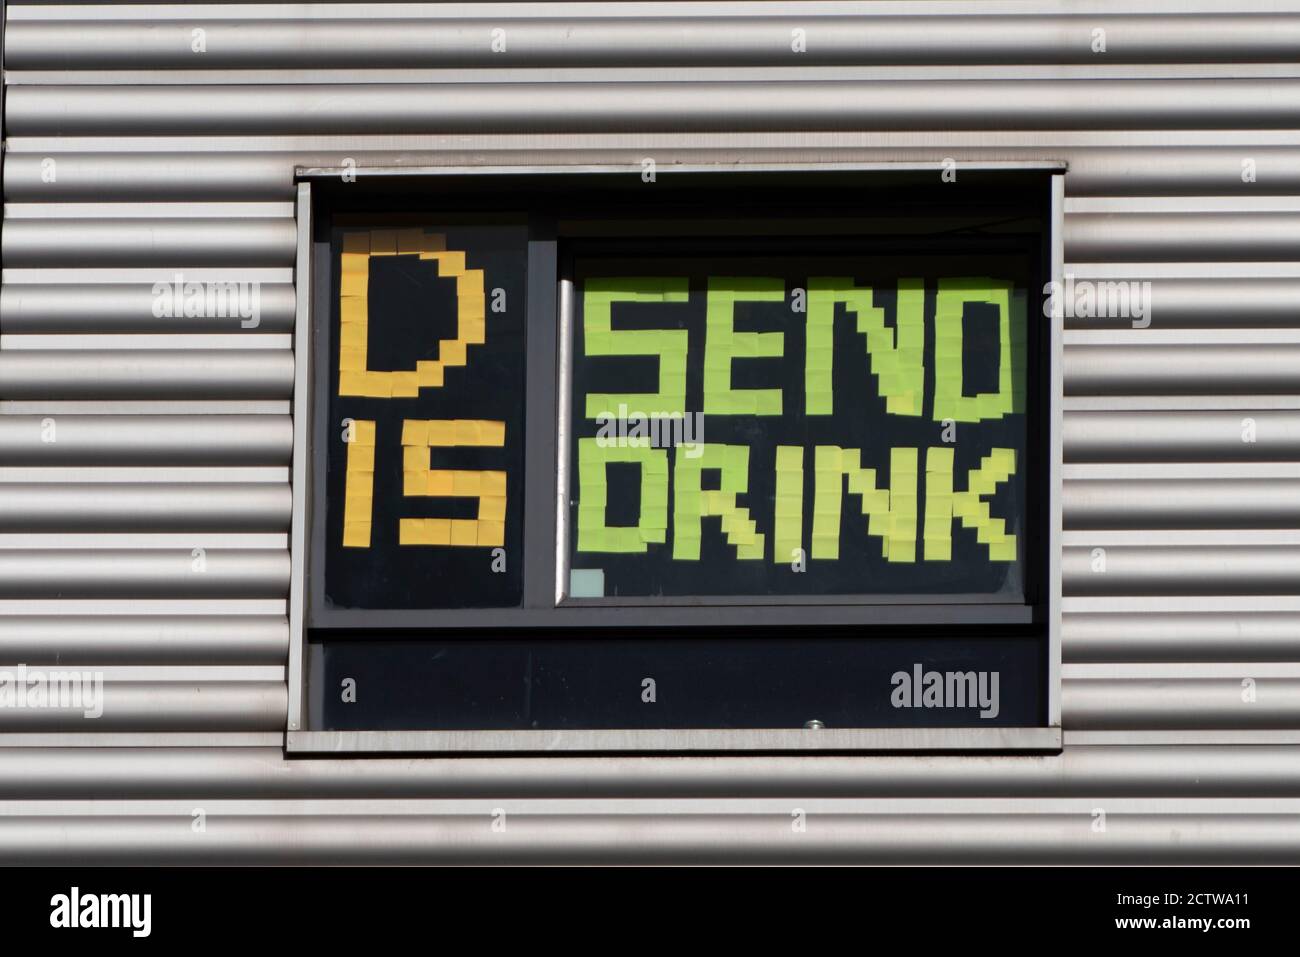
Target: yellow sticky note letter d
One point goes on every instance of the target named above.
(355, 376)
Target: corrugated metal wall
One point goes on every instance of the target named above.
(131, 157)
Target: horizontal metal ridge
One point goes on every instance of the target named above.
(1200, 369)
(1200, 236)
(145, 440)
(145, 507)
(144, 639)
(145, 242)
(1146, 504)
(661, 40)
(218, 705)
(116, 176)
(123, 343)
(1182, 436)
(241, 772)
(678, 835)
(1203, 305)
(272, 12)
(92, 308)
(197, 572)
(1255, 635)
(650, 107)
(1181, 570)
(1180, 703)
(147, 374)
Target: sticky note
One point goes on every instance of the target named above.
(419, 437)
(943, 504)
(896, 354)
(692, 503)
(950, 400)
(594, 535)
(669, 346)
(586, 583)
(723, 344)
(891, 512)
(355, 377)
(356, 534)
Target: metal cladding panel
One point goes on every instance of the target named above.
(351, 40)
(665, 106)
(144, 458)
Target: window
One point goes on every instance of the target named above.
(813, 421)
(600, 463)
